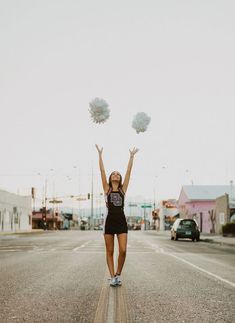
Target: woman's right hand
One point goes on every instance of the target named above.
(100, 150)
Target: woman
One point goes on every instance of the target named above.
(115, 220)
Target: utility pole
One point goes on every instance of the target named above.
(144, 219)
(45, 225)
(92, 198)
(154, 198)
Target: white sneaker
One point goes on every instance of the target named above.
(113, 282)
(118, 280)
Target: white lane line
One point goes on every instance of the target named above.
(195, 266)
(203, 270)
(82, 246)
(111, 300)
(102, 307)
(111, 306)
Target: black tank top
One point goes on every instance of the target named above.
(115, 200)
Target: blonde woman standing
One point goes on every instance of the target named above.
(115, 220)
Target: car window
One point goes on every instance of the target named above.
(188, 223)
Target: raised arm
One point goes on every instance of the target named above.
(102, 170)
(129, 167)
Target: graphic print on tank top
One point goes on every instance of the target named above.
(116, 198)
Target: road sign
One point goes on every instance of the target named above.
(146, 206)
(55, 201)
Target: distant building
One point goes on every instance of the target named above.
(199, 202)
(224, 211)
(15, 212)
(168, 213)
(47, 220)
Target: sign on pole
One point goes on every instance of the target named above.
(146, 206)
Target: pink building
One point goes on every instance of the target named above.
(198, 202)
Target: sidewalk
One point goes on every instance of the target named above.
(219, 239)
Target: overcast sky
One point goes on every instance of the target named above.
(172, 59)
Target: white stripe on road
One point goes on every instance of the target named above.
(203, 270)
(82, 246)
(194, 266)
(112, 304)
(102, 307)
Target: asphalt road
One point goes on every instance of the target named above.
(62, 277)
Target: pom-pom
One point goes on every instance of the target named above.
(140, 122)
(99, 110)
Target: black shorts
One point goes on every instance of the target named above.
(115, 223)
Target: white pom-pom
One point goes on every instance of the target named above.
(99, 110)
(140, 122)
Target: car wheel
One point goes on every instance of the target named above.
(176, 238)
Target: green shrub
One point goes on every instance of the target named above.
(229, 228)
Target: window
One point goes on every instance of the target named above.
(188, 223)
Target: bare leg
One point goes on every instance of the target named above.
(109, 242)
(122, 242)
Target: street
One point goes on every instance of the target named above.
(62, 276)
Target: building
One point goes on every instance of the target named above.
(224, 212)
(15, 212)
(168, 213)
(48, 220)
(199, 202)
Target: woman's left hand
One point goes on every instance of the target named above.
(133, 151)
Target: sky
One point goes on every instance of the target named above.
(173, 60)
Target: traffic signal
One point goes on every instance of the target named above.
(88, 196)
(154, 215)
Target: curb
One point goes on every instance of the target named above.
(202, 239)
(221, 243)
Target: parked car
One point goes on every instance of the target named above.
(185, 228)
(98, 227)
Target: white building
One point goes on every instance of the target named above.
(15, 212)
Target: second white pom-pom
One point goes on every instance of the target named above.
(99, 110)
(140, 122)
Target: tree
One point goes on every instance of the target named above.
(212, 216)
